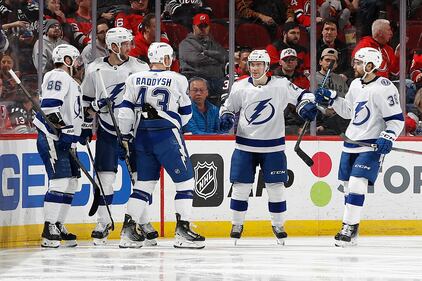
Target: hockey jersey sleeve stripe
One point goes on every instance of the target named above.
(89, 99)
(260, 143)
(299, 98)
(107, 126)
(398, 116)
(127, 104)
(185, 110)
(51, 103)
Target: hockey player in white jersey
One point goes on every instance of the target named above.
(372, 104)
(261, 101)
(112, 70)
(61, 103)
(161, 98)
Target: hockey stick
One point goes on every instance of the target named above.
(97, 191)
(34, 104)
(302, 154)
(374, 146)
(116, 127)
(84, 170)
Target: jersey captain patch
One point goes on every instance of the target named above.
(259, 112)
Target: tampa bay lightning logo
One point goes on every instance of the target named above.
(362, 113)
(259, 112)
(116, 90)
(77, 108)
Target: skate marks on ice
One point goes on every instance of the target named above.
(376, 258)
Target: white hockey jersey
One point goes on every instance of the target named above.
(166, 91)
(372, 107)
(261, 125)
(61, 93)
(114, 77)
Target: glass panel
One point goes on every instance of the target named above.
(19, 23)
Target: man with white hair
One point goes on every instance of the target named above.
(381, 35)
(373, 105)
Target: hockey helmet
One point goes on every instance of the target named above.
(260, 55)
(157, 51)
(66, 50)
(367, 55)
(117, 35)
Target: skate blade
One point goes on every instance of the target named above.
(151, 242)
(235, 241)
(345, 244)
(189, 244)
(280, 241)
(127, 243)
(99, 241)
(69, 243)
(45, 243)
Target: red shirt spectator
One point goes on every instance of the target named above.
(416, 68)
(81, 23)
(302, 10)
(132, 19)
(381, 35)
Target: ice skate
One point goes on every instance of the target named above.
(185, 237)
(50, 236)
(236, 232)
(150, 234)
(100, 233)
(280, 234)
(347, 236)
(69, 239)
(130, 237)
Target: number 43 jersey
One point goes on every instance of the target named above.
(165, 91)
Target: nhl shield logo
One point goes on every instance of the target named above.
(205, 179)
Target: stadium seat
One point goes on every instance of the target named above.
(253, 35)
(220, 8)
(220, 33)
(175, 32)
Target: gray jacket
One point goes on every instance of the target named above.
(202, 57)
(47, 59)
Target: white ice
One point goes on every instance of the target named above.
(375, 258)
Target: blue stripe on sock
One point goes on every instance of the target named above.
(277, 207)
(108, 199)
(184, 194)
(355, 199)
(67, 198)
(345, 199)
(238, 205)
(142, 195)
(54, 197)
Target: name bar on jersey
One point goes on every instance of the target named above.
(153, 81)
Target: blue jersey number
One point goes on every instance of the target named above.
(163, 94)
(56, 85)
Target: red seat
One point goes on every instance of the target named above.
(220, 33)
(220, 8)
(175, 32)
(252, 35)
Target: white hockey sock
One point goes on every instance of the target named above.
(55, 198)
(355, 200)
(239, 202)
(183, 199)
(139, 200)
(276, 203)
(68, 198)
(107, 181)
(51, 211)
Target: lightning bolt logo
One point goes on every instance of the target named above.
(361, 106)
(118, 88)
(258, 110)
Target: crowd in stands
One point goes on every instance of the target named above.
(198, 32)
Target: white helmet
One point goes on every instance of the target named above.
(117, 35)
(157, 51)
(367, 55)
(65, 50)
(260, 55)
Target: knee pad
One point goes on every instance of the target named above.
(59, 185)
(241, 191)
(145, 186)
(73, 186)
(107, 180)
(185, 185)
(357, 185)
(275, 192)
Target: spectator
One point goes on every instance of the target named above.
(381, 35)
(241, 69)
(52, 11)
(107, 9)
(330, 123)
(291, 36)
(81, 24)
(9, 85)
(416, 68)
(4, 42)
(334, 9)
(202, 56)
(182, 11)
(100, 45)
(302, 11)
(205, 116)
(329, 40)
(269, 13)
(20, 115)
(131, 19)
(51, 39)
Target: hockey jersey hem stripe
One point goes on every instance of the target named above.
(398, 116)
(51, 103)
(107, 126)
(185, 110)
(127, 104)
(352, 145)
(260, 143)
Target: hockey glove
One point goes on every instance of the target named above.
(384, 143)
(98, 105)
(226, 121)
(307, 110)
(323, 95)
